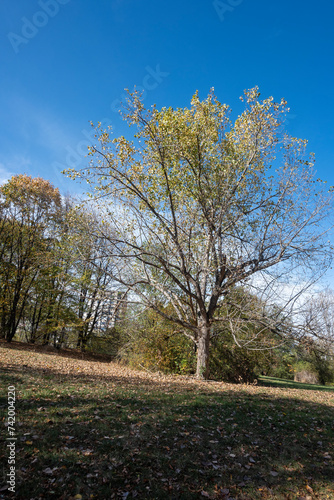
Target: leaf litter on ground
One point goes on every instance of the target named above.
(102, 428)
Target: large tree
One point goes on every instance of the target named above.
(202, 205)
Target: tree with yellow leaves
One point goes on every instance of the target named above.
(202, 205)
(29, 208)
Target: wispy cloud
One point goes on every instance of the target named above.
(40, 126)
(5, 174)
(37, 137)
(17, 164)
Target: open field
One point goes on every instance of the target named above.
(96, 430)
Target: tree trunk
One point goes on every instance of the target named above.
(80, 337)
(46, 338)
(11, 329)
(83, 337)
(203, 344)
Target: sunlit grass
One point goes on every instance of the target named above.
(291, 384)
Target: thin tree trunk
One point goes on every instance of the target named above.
(46, 338)
(80, 337)
(203, 347)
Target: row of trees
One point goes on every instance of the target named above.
(215, 227)
(54, 288)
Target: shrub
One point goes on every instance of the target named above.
(306, 377)
(153, 343)
(282, 365)
(231, 363)
(314, 362)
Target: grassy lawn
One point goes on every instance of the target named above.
(96, 430)
(290, 384)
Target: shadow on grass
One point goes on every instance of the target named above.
(291, 384)
(79, 435)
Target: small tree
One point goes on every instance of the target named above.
(202, 204)
(318, 316)
(95, 294)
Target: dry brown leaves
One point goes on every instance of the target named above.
(50, 363)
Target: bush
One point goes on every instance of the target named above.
(281, 371)
(314, 362)
(109, 343)
(153, 343)
(322, 366)
(229, 362)
(306, 377)
(282, 365)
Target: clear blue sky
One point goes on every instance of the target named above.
(66, 62)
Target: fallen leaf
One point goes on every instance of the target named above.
(49, 471)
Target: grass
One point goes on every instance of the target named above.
(94, 430)
(291, 384)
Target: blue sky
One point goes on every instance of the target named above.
(66, 62)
